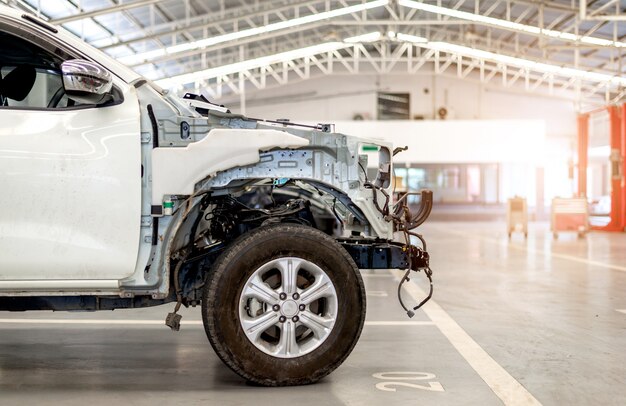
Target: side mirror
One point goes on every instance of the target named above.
(86, 82)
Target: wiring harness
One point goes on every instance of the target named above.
(400, 215)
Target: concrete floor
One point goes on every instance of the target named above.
(511, 322)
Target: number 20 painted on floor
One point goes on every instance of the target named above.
(395, 379)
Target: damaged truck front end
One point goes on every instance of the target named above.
(266, 225)
(277, 171)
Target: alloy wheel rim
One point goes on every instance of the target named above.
(288, 307)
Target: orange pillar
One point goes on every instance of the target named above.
(623, 208)
(583, 145)
(617, 211)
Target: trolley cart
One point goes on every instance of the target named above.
(570, 214)
(517, 216)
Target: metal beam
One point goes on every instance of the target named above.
(503, 24)
(107, 10)
(596, 14)
(379, 58)
(239, 17)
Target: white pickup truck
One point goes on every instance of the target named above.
(117, 194)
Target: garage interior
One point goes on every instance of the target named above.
(514, 115)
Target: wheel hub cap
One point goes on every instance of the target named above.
(289, 308)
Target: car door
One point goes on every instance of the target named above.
(70, 173)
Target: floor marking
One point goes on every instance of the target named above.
(376, 293)
(621, 310)
(537, 251)
(509, 390)
(183, 322)
(572, 258)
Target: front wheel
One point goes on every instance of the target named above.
(284, 305)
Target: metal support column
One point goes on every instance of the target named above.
(616, 161)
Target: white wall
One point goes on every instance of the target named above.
(334, 98)
(457, 141)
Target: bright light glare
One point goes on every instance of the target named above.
(145, 57)
(496, 22)
(174, 81)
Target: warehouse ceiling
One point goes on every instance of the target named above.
(574, 48)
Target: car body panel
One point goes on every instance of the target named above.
(176, 171)
(71, 201)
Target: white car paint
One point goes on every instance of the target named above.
(71, 192)
(177, 170)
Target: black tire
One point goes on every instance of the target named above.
(225, 283)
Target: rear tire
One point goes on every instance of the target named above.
(284, 305)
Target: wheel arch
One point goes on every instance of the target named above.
(183, 230)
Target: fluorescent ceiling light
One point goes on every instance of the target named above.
(410, 38)
(203, 43)
(496, 22)
(251, 64)
(523, 63)
(369, 37)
